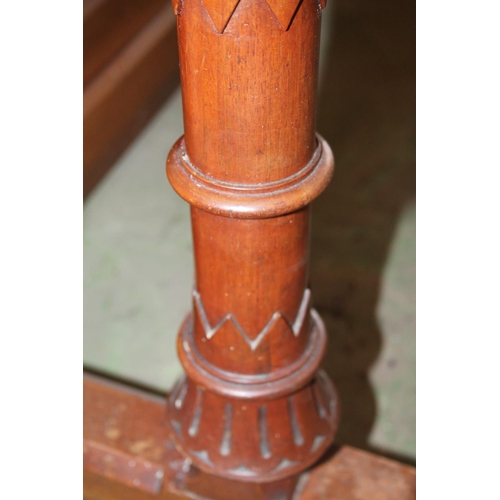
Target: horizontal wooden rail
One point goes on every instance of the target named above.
(129, 71)
(128, 455)
(108, 27)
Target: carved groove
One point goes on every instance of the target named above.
(298, 439)
(225, 446)
(179, 400)
(263, 439)
(284, 464)
(302, 413)
(221, 11)
(284, 11)
(317, 401)
(295, 328)
(318, 441)
(250, 201)
(195, 423)
(177, 4)
(322, 377)
(243, 470)
(332, 408)
(177, 427)
(203, 456)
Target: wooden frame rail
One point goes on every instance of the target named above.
(129, 455)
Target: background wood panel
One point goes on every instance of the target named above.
(130, 68)
(108, 27)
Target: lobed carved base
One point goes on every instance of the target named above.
(271, 431)
(127, 454)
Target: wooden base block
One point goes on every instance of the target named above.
(128, 455)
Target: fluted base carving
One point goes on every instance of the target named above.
(259, 435)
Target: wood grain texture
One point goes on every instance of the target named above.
(347, 473)
(254, 412)
(128, 456)
(108, 26)
(121, 98)
(249, 95)
(254, 407)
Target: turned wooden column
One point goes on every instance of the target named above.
(254, 405)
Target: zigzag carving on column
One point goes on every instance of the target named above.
(253, 343)
(177, 5)
(221, 11)
(284, 11)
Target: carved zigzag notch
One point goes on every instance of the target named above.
(220, 11)
(276, 318)
(284, 11)
(177, 5)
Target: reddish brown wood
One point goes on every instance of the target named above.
(108, 26)
(254, 406)
(126, 442)
(254, 413)
(128, 455)
(249, 93)
(350, 474)
(130, 66)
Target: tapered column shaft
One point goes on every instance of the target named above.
(253, 406)
(255, 270)
(249, 92)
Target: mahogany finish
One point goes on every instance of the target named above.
(128, 455)
(108, 26)
(254, 406)
(130, 68)
(254, 412)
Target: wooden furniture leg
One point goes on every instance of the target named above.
(128, 455)
(254, 406)
(254, 418)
